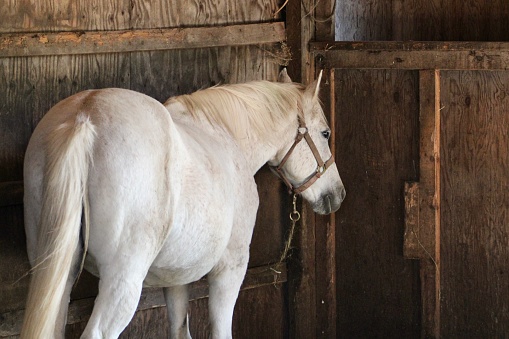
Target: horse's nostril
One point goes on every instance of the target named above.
(342, 194)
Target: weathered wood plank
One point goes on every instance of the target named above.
(414, 55)
(90, 42)
(474, 257)
(325, 226)
(356, 20)
(428, 233)
(301, 265)
(412, 249)
(325, 233)
(64, 15)
(175, 13)
(80, 310)
(377, 148)
(302, 278)
(422, 20)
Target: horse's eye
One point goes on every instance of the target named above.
(326, 134)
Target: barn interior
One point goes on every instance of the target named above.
(416, 92)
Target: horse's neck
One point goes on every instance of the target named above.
(259, 152)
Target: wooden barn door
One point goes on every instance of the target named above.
(422, 143)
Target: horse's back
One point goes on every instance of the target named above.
(132, 157)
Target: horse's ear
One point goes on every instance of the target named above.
(317, 89)
(283, 76)
(313, 88)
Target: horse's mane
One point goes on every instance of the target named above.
(253, 108)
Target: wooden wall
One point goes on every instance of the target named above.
(464, 286)
(422, 20)
(422, 137)
(39, 71)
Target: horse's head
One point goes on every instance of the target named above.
(306, 163)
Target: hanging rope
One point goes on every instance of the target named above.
(294, 217)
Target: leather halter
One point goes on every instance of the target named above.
(302, 133)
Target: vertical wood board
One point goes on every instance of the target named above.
(475, 218)
(377, 150)
(325, 233)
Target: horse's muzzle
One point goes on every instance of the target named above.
(330, 202)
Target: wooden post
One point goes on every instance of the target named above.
(422, 204)
(314, 316)
(325, 233)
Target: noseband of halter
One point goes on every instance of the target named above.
(302, 133)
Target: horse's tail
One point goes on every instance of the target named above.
(69, 155)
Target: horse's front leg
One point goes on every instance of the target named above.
(177, 301)
(224, 286)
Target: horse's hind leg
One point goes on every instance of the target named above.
(177, 301)
(224, 286)
(119, 293)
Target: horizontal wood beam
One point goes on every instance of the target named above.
(413, 55)
(89, 42)
(80, 310)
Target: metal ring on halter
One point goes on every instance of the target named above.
(295, 216)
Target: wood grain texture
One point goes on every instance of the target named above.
(64, 43)
(156, 14)
(302, 266)
(302, 278)
(429, 200)
(414, 55)
(363, 20)
(377, 151)
(422, 20)
(81, 15)
(162, 74)
(325, 232)
(475, 189)
(412, 249)
(63, 15)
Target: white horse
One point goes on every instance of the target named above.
(145, 194)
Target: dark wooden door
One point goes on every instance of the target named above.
(422, 141)
(376, 126)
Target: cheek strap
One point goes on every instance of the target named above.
(320, 169)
